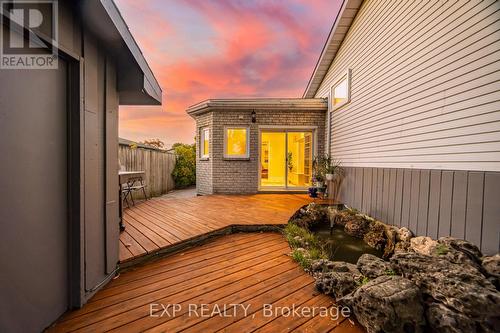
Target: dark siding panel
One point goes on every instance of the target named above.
(459, 204)
(380, 193)
(385, 195)
(491, 214)
(414, 194)
(344, 190)
(367, 189)
(423, 202)
(373, 206)
(358, 200)
(392, 194)
(405, 212)
(398, 201)
(445, 203)
(434, 203)
(474, 215)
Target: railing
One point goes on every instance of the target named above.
(157, 165)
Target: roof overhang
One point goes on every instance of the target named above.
(284, 104)
(136, 82)
(341, 26)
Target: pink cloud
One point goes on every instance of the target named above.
(201, 49)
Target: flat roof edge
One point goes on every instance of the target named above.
(312, 104)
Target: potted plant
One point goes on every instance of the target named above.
(333, 169)
(319, 171)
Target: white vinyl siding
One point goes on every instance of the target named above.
(425, 86)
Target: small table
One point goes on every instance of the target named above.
(124, 177)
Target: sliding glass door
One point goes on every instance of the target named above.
(285, 159)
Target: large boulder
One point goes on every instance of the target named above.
(491, 266)
(423, 245)
(388, 304)
(357, 227)
(459, 251)
(335, 278)
(444, 320)
(404, 235)
(375, 236)
(462, 288)
(372, 266)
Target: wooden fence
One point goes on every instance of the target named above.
(158, 166)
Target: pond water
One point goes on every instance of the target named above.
(341, 246)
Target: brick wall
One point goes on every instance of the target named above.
(203, 166)
(241, 176)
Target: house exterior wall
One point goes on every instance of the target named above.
(204, 178)
(421, 133)
(59, 263)
(241, 176)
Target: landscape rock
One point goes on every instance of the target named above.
(404, 235)
(423, 245)
(491, 266)
(357, 227)
(336, 279)
(460, 287)
(388, 304)
(375, 236)
(391, 234)
(444, 320)
(372, 266)
(401, 247)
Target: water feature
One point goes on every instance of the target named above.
(341, 246)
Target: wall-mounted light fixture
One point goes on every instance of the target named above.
(254, 117)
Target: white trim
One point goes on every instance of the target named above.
(202, 143)
(345, 76)
(237, 157)
(285, 129)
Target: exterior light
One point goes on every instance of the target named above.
(254, 117)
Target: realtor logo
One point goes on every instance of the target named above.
(28, 34)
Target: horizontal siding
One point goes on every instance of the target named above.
(425, 87)
(436, 203)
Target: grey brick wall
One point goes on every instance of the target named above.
(219, 175)
(204, 166)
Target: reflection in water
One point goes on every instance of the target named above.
(341, 246)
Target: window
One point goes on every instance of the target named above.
(341, 91)
(236, 142)
(204, 142)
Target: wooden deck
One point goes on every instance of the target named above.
(159, 224)
(251, 269)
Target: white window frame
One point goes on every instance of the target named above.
(244, 156)
(345, 75)
(204, 130)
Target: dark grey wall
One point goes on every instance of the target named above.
(33, 198)
(463, 204)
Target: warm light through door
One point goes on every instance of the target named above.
(286, 159)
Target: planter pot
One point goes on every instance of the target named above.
(313, 192)
(329, 176)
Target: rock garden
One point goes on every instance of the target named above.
(409, 284)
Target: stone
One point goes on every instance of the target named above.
(388, 304)
(402, 247)
(375, 236)
(462, 288)
(466, 247)
(372, 266)
(391, 234)
(357, 227)
(335, 278)
(444, 320)
(423, 245)
(404, 235)
(491, 266)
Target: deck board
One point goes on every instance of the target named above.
(160, 223)
(242, 268)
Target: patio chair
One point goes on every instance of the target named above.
(133, 185)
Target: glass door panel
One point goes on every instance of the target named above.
(273, 159)
(299, 159)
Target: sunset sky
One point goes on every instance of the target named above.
(200, 49)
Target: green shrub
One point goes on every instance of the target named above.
(184, 172)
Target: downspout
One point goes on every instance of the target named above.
(328, 127)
